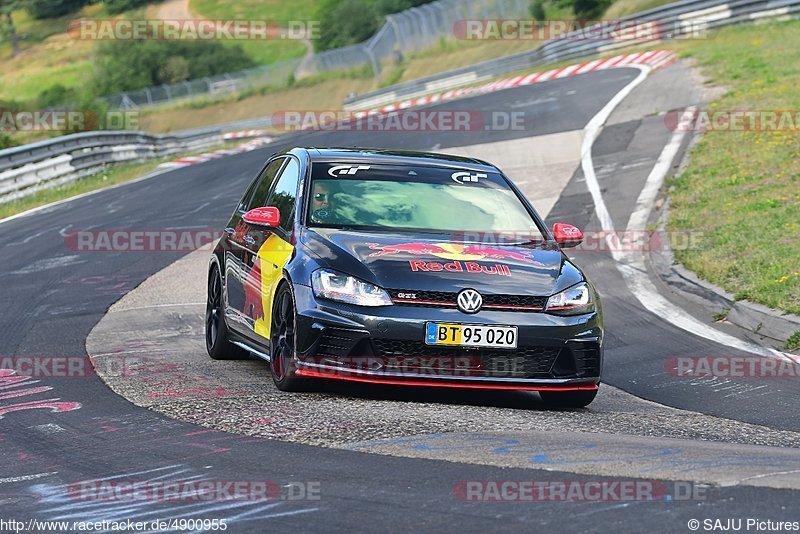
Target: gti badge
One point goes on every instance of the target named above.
(469, 301)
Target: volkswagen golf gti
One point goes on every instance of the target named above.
(402, 268)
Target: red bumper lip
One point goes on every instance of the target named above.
(443, 383)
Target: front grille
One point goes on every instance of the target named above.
(338, 342)
(412, 357)
(443, 299)
(587, 361)
(578, 360)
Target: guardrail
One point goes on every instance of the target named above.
(684, 19)
(29, 168)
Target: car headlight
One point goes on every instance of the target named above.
(345, 288)
(573, 301)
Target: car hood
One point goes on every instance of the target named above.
(431, 262)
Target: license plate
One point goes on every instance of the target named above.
(471, 335)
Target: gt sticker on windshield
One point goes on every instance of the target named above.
(462, 177)
(340, 170)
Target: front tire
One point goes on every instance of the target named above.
(282, 346)
(218, 342)
(568, 399)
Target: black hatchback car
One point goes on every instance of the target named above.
(402, 268)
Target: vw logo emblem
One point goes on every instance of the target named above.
(469, 301)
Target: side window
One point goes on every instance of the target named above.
(284, 196)
(263, 185)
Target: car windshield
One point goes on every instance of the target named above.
(419, 198)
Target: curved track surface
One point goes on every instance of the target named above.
(69, 429)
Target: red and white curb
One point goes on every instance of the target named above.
(208, 156)
(654, 58)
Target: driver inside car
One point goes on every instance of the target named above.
(322, 203)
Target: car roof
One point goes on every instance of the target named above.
(379, 156)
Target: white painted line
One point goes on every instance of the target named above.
(26, 477)
(630, 266)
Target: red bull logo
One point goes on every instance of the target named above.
(459, 267)
(456, 252)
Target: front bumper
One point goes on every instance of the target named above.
(386, 345)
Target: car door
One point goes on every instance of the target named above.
(268, 250)
(239, 241)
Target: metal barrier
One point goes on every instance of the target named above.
(29, 168)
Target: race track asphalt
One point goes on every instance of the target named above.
(54, 296)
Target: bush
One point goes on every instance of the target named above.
(537, 10)
(583, 9)
(118, 6)
(128, 66)
(48, 9)
(347, 22)
(6, 141)
(175, 70)
(56, 95)
(590, 9)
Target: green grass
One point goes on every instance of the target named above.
(262, 52)
(721, 315)
(278, 10)
(742, 189)
(48, 55)
(793, 343)
(625, 8)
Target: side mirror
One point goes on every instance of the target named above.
(567, 235)
(267, 216)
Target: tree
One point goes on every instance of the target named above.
(7, 8)
(48, 9)
(347, 22)
(537, 10)
(590, 9)
(118, 6)
(128, 66)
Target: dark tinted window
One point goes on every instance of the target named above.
(422, 198)
(265, 179)
(285, 194)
